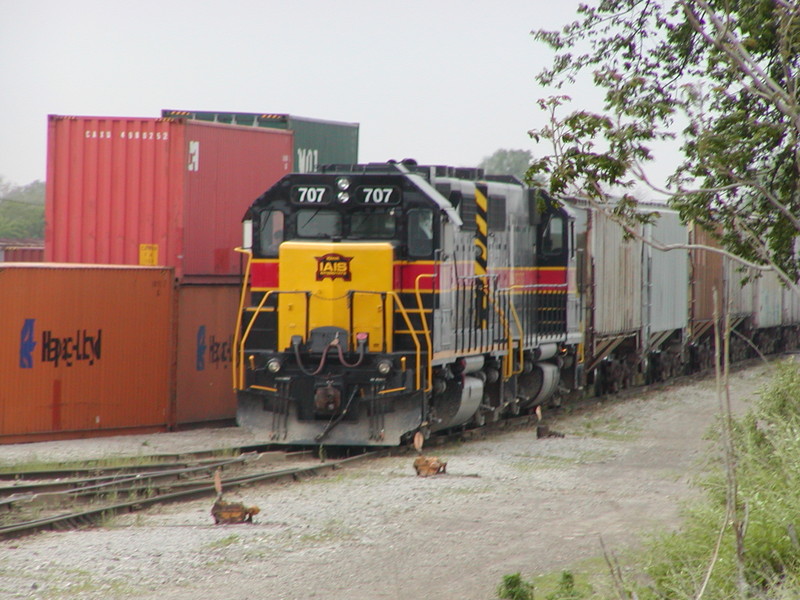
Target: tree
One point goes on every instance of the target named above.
(727, 72)
(507, 162)
(22, 210)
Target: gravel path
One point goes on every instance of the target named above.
(374, 531)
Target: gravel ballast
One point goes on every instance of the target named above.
(511, 503)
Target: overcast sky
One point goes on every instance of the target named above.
(442, 81)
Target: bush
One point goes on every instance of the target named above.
(514, 587)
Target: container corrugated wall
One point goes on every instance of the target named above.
(791, 307)
(316, 141)
(206, 322)
(166, 192)
(617, 267)
(76, 359)
(769, 301)
(740, 289)
(668, 290)
(707, 276)
(21, 254)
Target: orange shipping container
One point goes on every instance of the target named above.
(86, 350)
(206, 321)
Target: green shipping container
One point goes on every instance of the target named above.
(316, 142)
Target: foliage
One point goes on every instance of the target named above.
(507, 162)
(726, 72)
(566, 589)
(514, 587)
(22, 210)
(767, 443)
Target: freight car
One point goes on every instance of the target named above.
(384, 299)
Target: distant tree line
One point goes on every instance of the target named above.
(21, 210)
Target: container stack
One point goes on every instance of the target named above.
(171, 192)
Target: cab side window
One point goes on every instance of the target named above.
(419, 223)
(554, 236)
(270, 234)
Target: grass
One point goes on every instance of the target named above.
(229, 540)
(333, 531)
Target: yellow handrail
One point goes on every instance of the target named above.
(404, 313)
(237, 331)
(519, 329)
(246, 334)
(507, 331)
(424, 319)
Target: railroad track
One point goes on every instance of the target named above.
(61, 499)
(64, 498)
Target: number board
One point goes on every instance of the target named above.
(378, 195)
(311, 194)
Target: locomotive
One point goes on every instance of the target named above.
(385, 299)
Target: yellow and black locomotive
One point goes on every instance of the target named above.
(385, 299)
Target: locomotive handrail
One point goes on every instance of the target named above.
(246, 334)
(411, 330)
(237, 331)
(424, 319)
(511, 370)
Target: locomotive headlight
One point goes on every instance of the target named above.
(343, 183)
(384, 366)
(343, 197)
(274, 365)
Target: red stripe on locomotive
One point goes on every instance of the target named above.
(264, 274)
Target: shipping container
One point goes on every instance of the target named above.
(86, 350)
(666, 290)
(316, 141)
(156, 192)
(206, 322)
(21, 253)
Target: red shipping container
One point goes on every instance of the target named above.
(157, 192)
(22, 254)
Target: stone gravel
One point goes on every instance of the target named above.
(374, 530)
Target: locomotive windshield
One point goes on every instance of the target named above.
(372, 225)
(318, 223)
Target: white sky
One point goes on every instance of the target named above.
(442, 81)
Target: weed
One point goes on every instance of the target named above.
(514, 587)
(223, 542)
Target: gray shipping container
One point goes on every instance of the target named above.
(316, 141)
(666, 292)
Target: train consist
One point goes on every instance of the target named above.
(384, 299)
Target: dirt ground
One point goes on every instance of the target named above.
(507, 504)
